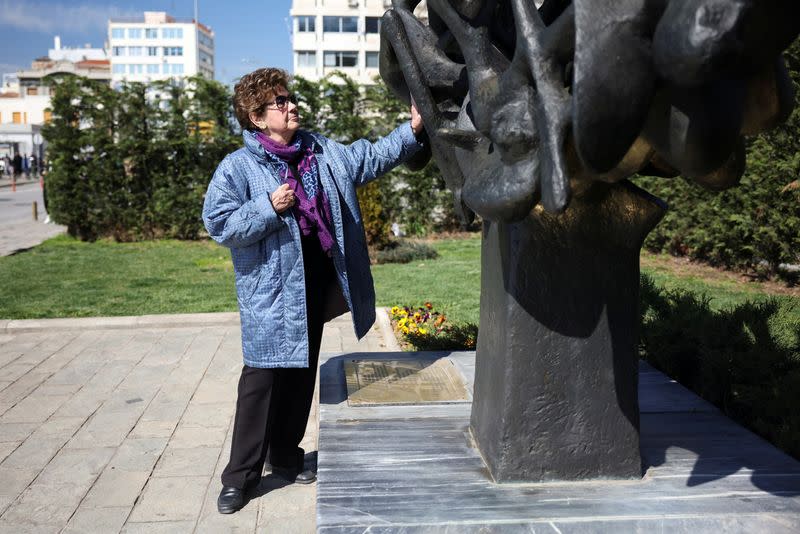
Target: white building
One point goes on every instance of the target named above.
(343, 35)
(10, 83)
(157, 47)
(24, 104)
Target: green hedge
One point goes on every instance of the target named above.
(744, 359)
(134, 163)
(131, 165)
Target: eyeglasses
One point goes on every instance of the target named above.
(282, 100)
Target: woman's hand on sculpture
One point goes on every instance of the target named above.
(416, 120)
(282, 198)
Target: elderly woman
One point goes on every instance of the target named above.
(286, 206)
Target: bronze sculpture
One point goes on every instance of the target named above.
(537, 115)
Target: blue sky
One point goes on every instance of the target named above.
(248, 33)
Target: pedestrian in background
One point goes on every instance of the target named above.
(286, 206)
(17, 163)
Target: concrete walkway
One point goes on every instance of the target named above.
(18, 236)
(123, 425)
(18, 230)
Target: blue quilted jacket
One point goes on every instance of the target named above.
(265, 245)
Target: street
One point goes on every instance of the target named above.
(18, 230)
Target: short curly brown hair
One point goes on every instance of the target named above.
(252, 92)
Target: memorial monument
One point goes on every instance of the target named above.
(537, 115)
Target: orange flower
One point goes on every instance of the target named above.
(428, 305)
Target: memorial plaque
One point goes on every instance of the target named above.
(376, 382)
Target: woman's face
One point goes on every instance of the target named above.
(281, 117)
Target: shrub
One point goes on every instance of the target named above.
(403, 251)
(376, 225)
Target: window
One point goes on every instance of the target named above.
(340, 24)
(16, 117)
(152, 68)
(134, 33)
(134, 50)
(48, 116)
(206, 59)
(306, 59)
(172, 33)
(306, 24)
(152, 51)
(372, 60)
(135, 69)
(341, 59)
(373, 25)
(119, 68)
(173, 50)
(205, 40)
(151, 33)
(118, 51)
(173, 68)
(117, 33)
(32, 91)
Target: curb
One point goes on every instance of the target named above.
(19, 326)
(382, 318)
(23, 326)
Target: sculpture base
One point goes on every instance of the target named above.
(413, 469)
(556, 372)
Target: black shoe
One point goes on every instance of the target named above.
(230, 500)
(306, 476)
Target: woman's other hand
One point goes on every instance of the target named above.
(416, 120)
(282, 198)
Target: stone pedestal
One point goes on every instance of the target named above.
(556, 372)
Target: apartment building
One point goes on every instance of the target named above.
(158, 46)
(343, 35)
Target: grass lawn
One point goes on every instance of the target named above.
(451, 282)
(67, 278)
(64, 277)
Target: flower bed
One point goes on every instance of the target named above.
(424, 328)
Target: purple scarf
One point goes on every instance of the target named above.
(312, 210)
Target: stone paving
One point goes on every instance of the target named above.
(123, 425)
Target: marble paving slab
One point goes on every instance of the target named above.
(414, 469)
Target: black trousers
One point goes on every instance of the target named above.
(273, 405)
